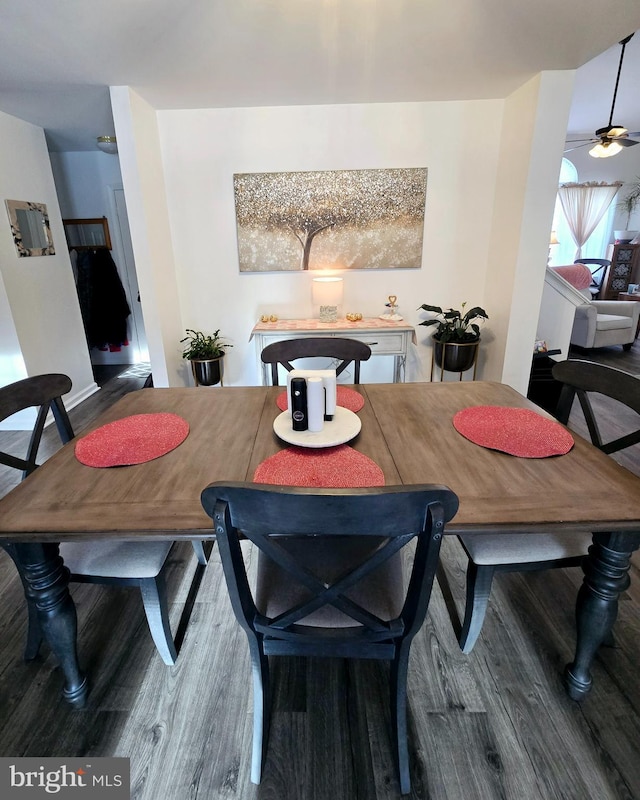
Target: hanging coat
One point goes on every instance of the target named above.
(103, 302)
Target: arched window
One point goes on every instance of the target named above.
(568, 172)
(596, 245)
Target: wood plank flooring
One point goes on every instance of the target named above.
(492, 725)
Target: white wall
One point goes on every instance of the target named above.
(80, 179)
(470, 252)
(156, 266)
(41, 329)
(534, 125)
(201, 151)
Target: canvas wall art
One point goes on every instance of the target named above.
(344, 219)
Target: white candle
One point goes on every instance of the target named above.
(315, 403)
(330, 393)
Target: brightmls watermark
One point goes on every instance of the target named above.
(65, 778)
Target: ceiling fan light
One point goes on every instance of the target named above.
(611, 131)
(617, 130)
(605, 149)
(608, 146)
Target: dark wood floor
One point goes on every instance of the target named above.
(492, 725)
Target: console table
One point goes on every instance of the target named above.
(384, 337)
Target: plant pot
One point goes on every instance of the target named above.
(625, 237)
(207, 372)
(455, 356)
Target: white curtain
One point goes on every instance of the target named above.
(584, 205)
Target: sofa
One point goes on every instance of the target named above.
(599, 323)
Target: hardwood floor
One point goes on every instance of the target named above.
(492, 725)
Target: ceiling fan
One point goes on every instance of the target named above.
(612, 138)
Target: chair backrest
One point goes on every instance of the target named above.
(580, 378)
(598, 274)
(348, 350)
(342, 536)
(43, 392)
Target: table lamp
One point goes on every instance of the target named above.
(327, 294)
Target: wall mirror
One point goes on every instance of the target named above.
(87, 234)
(30, 228)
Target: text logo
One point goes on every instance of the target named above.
(65, 778)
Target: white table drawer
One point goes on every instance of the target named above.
(390, 343)
(384, 339)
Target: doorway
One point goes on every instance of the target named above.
(134, 350)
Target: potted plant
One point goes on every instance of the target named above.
(206, 354)
(456, 338)
(628, 204)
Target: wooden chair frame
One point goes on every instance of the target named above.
(582, 377)
(44, 392)
(598, 275)
(579, 378)
(390, 516)
(288, 350)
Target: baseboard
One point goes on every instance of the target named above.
(74, 399)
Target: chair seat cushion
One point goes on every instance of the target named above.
(523, 548)
(381, 592)
(612, 322)
(115, 559)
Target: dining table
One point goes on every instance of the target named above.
(405, 428)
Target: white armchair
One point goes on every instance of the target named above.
(602, 323)
(598, 323)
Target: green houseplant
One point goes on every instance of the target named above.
(628, 204)
(456, 336)
(206, 353)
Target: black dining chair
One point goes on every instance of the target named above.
(345, 351)
(330, 580)
(41, 394)
(490, 553)
(598, 268)
(141, 564)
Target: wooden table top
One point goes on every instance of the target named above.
(406, 429)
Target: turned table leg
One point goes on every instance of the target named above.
(606, 576)
(46, 583)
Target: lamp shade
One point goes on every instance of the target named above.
(605, 149)
(107, 144)
(327, 295)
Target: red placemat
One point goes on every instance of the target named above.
(517, 431)
(339, 467)
(345, 397)
(132, 440)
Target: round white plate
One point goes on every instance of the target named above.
(343, 427)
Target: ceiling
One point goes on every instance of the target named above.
(58, 58)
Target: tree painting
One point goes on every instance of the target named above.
(349, 219)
